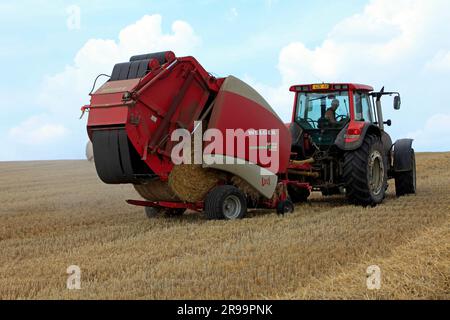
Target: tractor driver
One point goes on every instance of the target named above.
(330, 115)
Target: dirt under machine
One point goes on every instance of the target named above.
(235, 152)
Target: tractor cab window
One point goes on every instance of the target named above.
(322, 110)
(363, 110)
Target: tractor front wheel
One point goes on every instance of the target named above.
(225, 202)
(365, 173)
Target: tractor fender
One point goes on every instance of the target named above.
(368, 128)
(403, 161)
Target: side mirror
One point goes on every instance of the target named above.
(397, 102)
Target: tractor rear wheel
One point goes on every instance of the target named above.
(365, 173)
(225, 202)
(405, 182)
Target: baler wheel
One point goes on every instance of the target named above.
(405, 182)
(225, 202)
(365, 173)
(285, 207)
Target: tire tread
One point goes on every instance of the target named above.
(214, 200)
(355, 172)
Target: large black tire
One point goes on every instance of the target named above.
(285, 207)
(405, 182)
(365, 173)
(225, 202)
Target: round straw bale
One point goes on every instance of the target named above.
(246, 188)
(191, 183)
(156, 191)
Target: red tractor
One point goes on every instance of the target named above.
(339, 130)
(336, 142)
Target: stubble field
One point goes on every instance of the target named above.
(57, 214)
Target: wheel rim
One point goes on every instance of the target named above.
(376, 173)
(232, 207)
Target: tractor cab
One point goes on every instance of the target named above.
(339, 143)
(324, 111)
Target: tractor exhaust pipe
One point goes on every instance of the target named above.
(380, 115)
(379, 110)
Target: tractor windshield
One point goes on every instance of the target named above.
(329, 110)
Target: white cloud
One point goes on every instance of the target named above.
(146, 35)
(37, 131)
(66, 92)
(61, 95)
(279, 97)
(386, 34)
(435, 135)
(403, 45)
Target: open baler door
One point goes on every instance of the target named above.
(133, 115)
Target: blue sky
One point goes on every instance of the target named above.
(48, 68)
